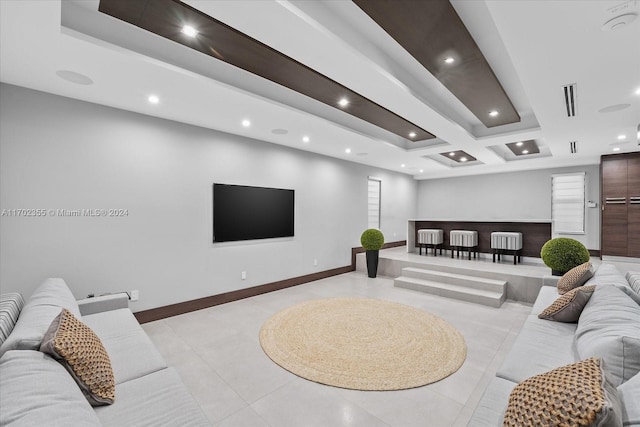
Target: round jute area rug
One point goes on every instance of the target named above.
(363, 344)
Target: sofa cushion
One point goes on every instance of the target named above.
(575, 277)
(576, 394)
(633, 277)
(540, 346)
(35, 390)
(80, 351)
(608, 274)
(490, 409)
(629, 393)
(131, 351)
(158, 399)
(37, 314)
(569, 306)
(609, 327)
(10, 306)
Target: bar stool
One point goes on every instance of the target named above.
(430, 238)
(503, 242)
(461, 240)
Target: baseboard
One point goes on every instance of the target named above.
(594, 252)
(211, 301)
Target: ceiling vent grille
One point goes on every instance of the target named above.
(573, 146)
(570, 99)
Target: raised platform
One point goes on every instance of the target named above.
(523, 280)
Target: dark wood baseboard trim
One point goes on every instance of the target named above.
(206, 302)
(594, 252)
(213, 300)
(360, 249)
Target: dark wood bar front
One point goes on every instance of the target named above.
(534, 234)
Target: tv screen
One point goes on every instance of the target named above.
(248, 213)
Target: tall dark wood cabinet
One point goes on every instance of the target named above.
(620, 220)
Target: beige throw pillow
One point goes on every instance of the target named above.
(574, 395)
(569, 306)
(80, 351)
(575, 277)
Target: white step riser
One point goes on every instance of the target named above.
(495, 300)
(453, 279)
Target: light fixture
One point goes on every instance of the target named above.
(638, 91)
(519, 144)
(402, 165)
(616, 148)
(347, 150)
(153, 99)
(621, 137)
(305, 139)
(452, 153)
(449, 60)
(189, 31)
(246, 123)
(463, 159)
(525, 151)
(493, 113)
(343, 102)
(412, 134)
(421, 170)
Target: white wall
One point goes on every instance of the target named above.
(58, 153)
(507, 196)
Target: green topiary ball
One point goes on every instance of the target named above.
(372, 239)
(562, 254)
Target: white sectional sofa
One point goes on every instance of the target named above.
(35, 389)
(608, 328)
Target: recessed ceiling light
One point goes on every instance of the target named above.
(449, 60)
(452, 154)
(638, 91)
(188, 30)
(343, 102)
(525, 151)
(412, 134)
(305, 139)
(493, 113)
(246, 123)
(402, 165)
(519, 144)
(616, 148)
(347, 150)
(463, 159)
(421, 170)
(621, 137)
(153, 99)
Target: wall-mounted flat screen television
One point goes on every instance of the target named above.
(248, 213)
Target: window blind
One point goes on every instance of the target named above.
(567, 203)
(373, 207)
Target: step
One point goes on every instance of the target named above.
(474, 282)
(459, 292)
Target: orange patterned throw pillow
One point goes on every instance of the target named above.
(80, 351)
(575, 277)
(574, 395)
(569, 306)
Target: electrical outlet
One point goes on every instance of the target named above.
(135, 295)
(243, 275)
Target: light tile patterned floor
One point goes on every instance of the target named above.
(218, 355)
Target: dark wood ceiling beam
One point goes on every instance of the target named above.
(431, 31)
(216, 39)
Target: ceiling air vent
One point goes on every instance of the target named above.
(570, 99)
(573, 146)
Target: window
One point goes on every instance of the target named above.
(567, 203)
(373, 208)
